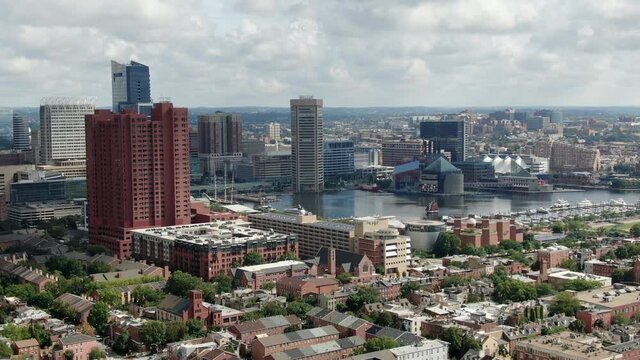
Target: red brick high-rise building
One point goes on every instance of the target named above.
(137, 173)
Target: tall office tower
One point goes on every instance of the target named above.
(137, 173)
(219, 141)
(6, 127)
(307, 161)
(21, 132)
(446, 135)
(273, 131)
(130, 87)
(62, 135)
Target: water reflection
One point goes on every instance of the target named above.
(361, 203)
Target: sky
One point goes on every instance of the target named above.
(350, 53)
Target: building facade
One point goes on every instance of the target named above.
(272, 131)
(130, 87)
(338, 158)
(399, 152)
(312, 234)
(62, 131)
(307, 160)
(206, 249)
(137, 173)
(388, 249)
(219, 141)
(446, 136)
(21, 132)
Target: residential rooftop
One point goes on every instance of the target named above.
(610, 297)
(272, 266)
(299, 335)
(317, 349)
(329, 225)
(566, 345)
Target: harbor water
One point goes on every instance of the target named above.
(350, 203)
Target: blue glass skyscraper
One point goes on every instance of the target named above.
(130, 86)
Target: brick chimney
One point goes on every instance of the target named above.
(544, 267)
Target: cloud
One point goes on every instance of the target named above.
(355, 53)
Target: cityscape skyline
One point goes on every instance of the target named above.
(455, 53)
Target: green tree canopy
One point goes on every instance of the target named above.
(180, 283)
(123, 344)
(65, 266)
(344, 278)
(635, 230)
(409, 288)
(365, 295)
(153, 333)
(145, 295)
(564, 303)
(99, 316)
(289, 255)
(514, 291)
(298, 308)
(381, 343)
(223, 283)
(580, 285)
(96, 354)
(446, 244)
(253, 258)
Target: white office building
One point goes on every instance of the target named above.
(62, 135)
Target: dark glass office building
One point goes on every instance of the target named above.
(131, 87)
(445, 135)
(49, 190)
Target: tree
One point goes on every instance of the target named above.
(16, 333)
(454, 280)
(67, 267)
(41, 335)
(621, 319)
(510, 245)
(253, 258)
(223, 283)
(564, 303)
(514, 290)
(580, 285)
(273, 309)
(22, 291)
(365, 295)
(545, 289)
(195, 327)
(344, 278)
(558, 227)
(617, 276)
(268, 286)
(145, 295)
(123, 344)
(96, 354)
(569, 264)
(42, 300)
(381, 343)
(446, 244)
(298, 308)
(98, 267)
(175, 331)
(110, 296)
(456, 338)
(98, 317)
(57, 231)
(5, 350)
(635, 230)
(153, 333)
(68, 355)
(408, 289)
(289, 255)
(384, 319)
(180, 283)
(577, 326)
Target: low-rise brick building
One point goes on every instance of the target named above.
(253, 277)
(347, 325)
(302, 286)
(273, 325)
(263, 346)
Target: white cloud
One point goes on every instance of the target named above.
(376, 52)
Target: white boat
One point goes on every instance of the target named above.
(585, 203)
(543, 211)
(531, 212)
(561, 204)
(617, 202)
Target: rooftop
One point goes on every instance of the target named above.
(609, 297)
(76, 338)
(566, 345)
(298, 336)
(330, 225)
(272, 266)
(266, 323)
(316, 349)
(213, 233)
